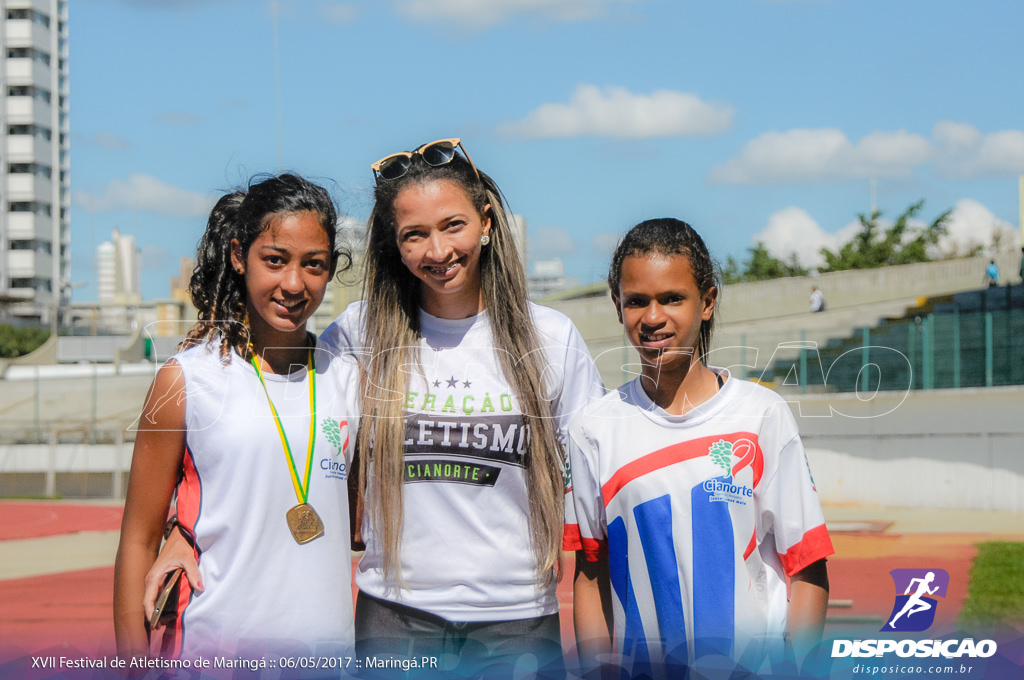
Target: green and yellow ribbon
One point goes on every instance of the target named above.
(301, 489)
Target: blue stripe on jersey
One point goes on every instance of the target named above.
(634, 643)
(654, 524)
(714, 575)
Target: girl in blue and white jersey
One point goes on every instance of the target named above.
(692, 493)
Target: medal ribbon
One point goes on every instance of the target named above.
(301, 489)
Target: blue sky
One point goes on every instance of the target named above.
(751, 119)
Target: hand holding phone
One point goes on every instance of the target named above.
(170, 586)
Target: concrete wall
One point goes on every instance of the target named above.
(924, 449)
(767, 299)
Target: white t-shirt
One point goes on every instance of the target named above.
(263, 591)
(701, 517)
(466, 552)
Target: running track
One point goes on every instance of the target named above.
(71, 611)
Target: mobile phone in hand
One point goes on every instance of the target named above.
(160, 611)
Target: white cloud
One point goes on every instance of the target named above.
(965, 152)
(955, 136)
(617, 112)
(550, 242)
(146, 194)
(604, 245)
(336, 12)
(793, 231)
(485, 13)
(972, 224)
(823, 155)
(108, 140)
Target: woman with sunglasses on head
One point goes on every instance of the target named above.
(467, 389)
(268, 520)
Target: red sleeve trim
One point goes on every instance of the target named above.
(815, 545)
(571, 539)
(594, 549)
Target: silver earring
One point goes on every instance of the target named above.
(485, 239)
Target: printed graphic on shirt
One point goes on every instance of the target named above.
(464, 403)
(732, 457)
(432, 470)
(337, 433)
(473, 444)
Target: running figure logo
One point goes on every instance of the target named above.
(914, 610)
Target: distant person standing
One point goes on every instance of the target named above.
(992, 274)
(1021, 272)
(817, 300)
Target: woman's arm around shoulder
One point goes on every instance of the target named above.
(156, 462)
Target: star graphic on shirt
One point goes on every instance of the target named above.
(452, 382)
(437, 383)
(467, 384)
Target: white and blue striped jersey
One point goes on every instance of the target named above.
(701, 518)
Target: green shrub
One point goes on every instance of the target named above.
(15, 342)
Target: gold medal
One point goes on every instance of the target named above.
(304, 523)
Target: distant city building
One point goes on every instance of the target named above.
(118, 276)
(179, 283)
(119, 269)
(548, 277)
(35, 240)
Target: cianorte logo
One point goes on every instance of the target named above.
(731, 457)
(915, 609)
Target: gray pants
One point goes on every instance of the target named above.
(388, 633)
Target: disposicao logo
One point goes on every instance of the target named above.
(914, 610)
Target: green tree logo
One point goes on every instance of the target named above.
(336, 433)
(721, 455)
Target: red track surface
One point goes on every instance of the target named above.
(32, 519)
(72, 610)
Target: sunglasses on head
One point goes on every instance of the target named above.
(435, 153)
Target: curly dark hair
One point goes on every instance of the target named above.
(217, 290)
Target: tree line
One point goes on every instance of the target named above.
(873, 246)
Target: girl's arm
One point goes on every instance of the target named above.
(156, 462)
(592, 614)
(808, 602)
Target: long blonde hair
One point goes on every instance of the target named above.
(392, 334)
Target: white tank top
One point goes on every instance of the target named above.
(265, 593)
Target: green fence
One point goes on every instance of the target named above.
(966, 340)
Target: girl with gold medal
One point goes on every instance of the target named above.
(247, 428)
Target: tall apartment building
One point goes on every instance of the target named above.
(35, 240)
(118, 280)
